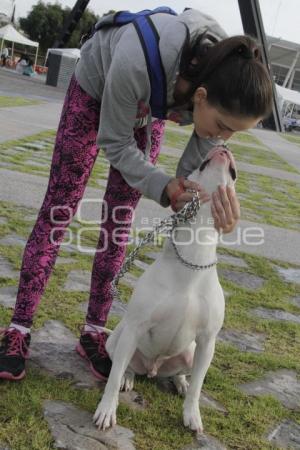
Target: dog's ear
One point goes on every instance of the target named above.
(232, 172)
(203, 165)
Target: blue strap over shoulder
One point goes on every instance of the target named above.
(149, 39)
(124, 17)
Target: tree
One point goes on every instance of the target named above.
(45, 21)
(111, 11)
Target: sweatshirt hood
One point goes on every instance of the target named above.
(173, 35)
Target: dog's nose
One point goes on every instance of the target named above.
(220, 151)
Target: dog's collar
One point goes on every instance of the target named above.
(187, 263)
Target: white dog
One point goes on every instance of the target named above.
(175, 313)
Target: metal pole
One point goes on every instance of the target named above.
(253, 25)
(1, 46)
(70, 23)
(36, 55)
(289, 86)
(291, 70)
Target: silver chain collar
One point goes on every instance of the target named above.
(187, 213)
(187, 263)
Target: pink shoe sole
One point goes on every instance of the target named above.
(9, 376)
(80, 350)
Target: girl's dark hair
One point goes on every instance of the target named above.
(231, 71)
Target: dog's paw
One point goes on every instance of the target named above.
(192, 418)
(105, 415)
(181, 384)
(127, 382)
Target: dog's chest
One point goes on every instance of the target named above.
(172, 331)
(182, 316)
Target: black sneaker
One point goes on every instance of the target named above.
(91, 347)
(13, 353)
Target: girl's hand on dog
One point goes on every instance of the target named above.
(181, 191)
(225, 208)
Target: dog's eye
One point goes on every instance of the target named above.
(204, 164)
(232, 173)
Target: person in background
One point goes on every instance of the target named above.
(22, 63)
(28, 70)
(4, 56)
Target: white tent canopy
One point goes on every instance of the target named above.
(288, 95)
(9, 33)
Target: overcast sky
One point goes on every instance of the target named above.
(281, 17)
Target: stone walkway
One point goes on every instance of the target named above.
(278, 243)
(52, 349)
(16, 123)
(13, 84)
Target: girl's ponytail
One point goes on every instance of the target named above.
(232, 72)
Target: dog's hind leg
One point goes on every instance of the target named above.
(181, 384)
(127, 382)
(105, 415)
(113, 339)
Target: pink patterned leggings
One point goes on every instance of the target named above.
(73, 158)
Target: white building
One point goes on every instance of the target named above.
(285, 61)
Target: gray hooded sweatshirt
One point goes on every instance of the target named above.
(112, 69)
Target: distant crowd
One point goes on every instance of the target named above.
(22, 63)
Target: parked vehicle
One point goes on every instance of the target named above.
(290, 124)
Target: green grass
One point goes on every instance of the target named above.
(246, 138)
(243, 136)
(251, 155)
(260, 157)
(20, 161)
(168, 163)
(256, 191)
(291, 138)
(263, 199)
(268, 200)
(159, 427)
(175, 139)
(16, 101)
